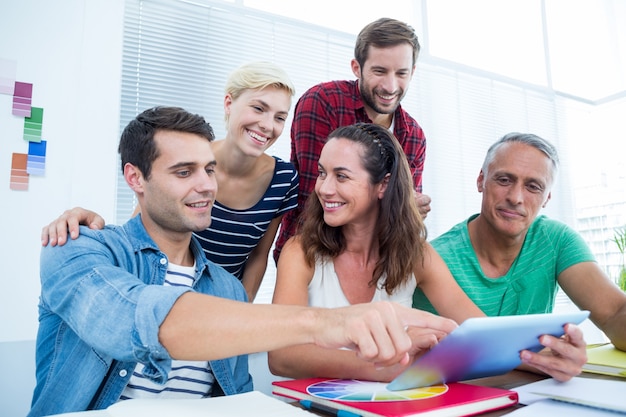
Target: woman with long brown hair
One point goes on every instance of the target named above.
(362, 240)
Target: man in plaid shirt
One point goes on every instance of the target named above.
(384, 60)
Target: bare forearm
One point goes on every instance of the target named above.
(616, 329)
(308, 361)
(256, 265)
(591, 289)
(253, 276)
(201, 327)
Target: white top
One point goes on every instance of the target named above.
(325, 289)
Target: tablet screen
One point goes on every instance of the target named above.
(483, 346)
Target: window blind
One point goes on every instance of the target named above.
(180, 53)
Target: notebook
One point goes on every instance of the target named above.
(483, 346)
(587, 393)
(605, 359)
(344, 397)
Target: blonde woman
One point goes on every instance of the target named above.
(254, 189)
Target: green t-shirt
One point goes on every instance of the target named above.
(530, 286)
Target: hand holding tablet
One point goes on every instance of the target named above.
(483, 346)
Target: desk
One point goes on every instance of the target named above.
(515, 379)
(510, 380)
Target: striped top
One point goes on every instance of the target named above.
(233, 234)
(186, 379)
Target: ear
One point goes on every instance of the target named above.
(356, 68)
(382, 187)
(134, 178)
(480, 181)
(228, 101)
(545, 203)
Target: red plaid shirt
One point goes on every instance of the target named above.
(322, 109)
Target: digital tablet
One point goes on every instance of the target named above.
(483, 346)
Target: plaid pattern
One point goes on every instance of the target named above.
(322, 109)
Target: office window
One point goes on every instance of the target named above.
(180, 53)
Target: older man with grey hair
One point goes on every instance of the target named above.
(510, 260)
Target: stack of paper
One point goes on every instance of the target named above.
(578, 396)
(249, 404)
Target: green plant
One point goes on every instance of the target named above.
(619, 237)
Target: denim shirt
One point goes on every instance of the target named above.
(105, 289)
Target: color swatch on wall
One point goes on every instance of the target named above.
(8, 72)
(22, 99)
(19, 176)
(32, 125)
(36, 164)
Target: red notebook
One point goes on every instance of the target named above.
(372, 399)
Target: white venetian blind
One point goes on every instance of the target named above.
(180, 53)
(463, 112)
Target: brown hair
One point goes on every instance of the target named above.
(400, 230)
(383, 33)
(137, 145)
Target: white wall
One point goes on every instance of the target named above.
(70, 50)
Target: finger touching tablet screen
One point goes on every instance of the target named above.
(483, 346)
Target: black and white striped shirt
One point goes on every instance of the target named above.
(187, 379)
(233, 234)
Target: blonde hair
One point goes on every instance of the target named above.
(257, 76)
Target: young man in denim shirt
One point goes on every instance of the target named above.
(124, 308)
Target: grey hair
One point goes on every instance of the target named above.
(529, 139)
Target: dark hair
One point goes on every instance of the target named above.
(383, 33)
(137, 141)
(401, 232)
